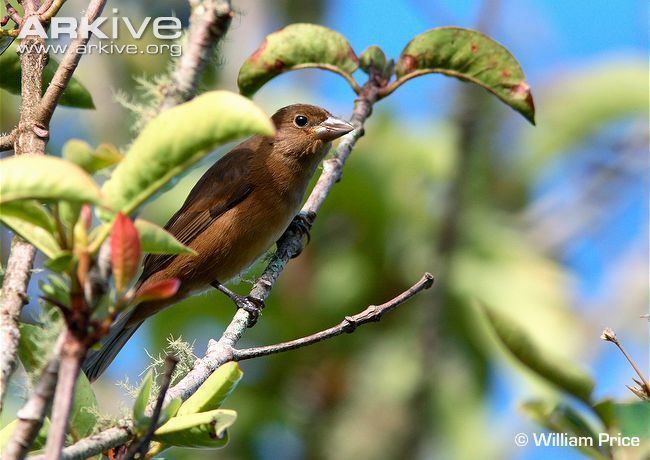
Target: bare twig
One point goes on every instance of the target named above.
(141, 447)
(25, 141)
(67, 66)
(209, 22)
(608, 335)
(349, 324)
(49, 8)
(7, 141)
(30, 416)
(73, 353)
(13, 14)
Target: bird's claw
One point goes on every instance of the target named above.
(253, 306)
(250, 304)
(301, 224)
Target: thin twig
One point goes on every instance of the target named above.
(141, 447)
(7, 141)
(49, 8)
(349, 324)
(26, 140)
(209, 22)
(67, 66)
(610, 336)
(30, 416)
(73, 353)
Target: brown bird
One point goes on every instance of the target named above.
(233, 215)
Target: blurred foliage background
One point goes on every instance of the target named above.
(548, 224)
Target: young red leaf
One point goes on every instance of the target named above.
(125, 251)
(158, 290)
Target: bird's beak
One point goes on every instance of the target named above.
(332, 128)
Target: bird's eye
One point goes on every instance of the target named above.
(301, 121)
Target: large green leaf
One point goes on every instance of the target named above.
(178, 138)
(470, 56)
(47, 178)
(29, 211)
(83, 414)
(202, 430)
(91, 160)
(633, 419)
(140, 405)
(297, 46)
(568, 376)
(562, 418)
(157, 240)
(75, 95)
(214, 390)
(42, 239)
(587, 99)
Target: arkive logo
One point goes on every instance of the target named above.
(163, 28)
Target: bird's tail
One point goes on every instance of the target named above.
(97, 361)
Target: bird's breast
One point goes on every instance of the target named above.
(242, 235)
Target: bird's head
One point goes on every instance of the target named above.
(303, 129)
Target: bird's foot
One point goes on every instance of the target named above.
(301, 224)
(247, 303)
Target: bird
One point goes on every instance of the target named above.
(237, 210)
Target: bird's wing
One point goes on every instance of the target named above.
(222, 187)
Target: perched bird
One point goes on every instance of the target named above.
(233, 215)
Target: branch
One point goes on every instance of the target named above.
(209, 22)
(25, 139)
(73, 352)
(142, 447)
(7, 141)
(349, 324)
(30, 417)
(14, 296)
(67, 66)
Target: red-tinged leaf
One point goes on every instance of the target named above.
(125, 251)
(159, 290)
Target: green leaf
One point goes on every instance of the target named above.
(587, 99)
(33, 349)
(202, 430)
(633, 419)
(42, 239)
(567, 376)
(75, 95)
(60, 263)
(470, 56)
(91, 160)
(212, 393)
(29, 211)
(562, 418)
(141, 401)
(56, 287)
(170, 410)
(47, 178)
(178, 138)
(297, 46)
(82, 417)
(157, 240)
